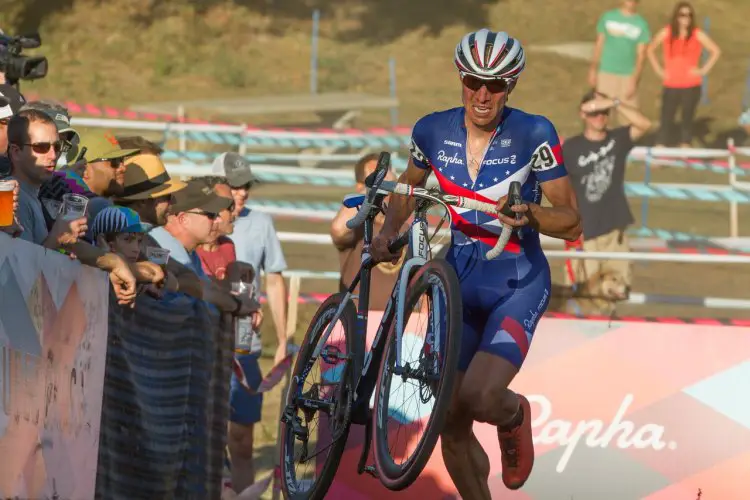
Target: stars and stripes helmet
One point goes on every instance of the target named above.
(490, 55)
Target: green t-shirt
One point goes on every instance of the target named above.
(622, 35)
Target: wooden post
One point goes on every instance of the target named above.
(734, 216)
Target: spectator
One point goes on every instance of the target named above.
(744, 122)
(118, 229)
(33, 149)
(255, 241)
(10, 104)
(349, 243)
(619, 52)
(193, 214)
(139, 142)
(60, 115)
(682, 73)
(217, 255)
(148, 188)
(105, 167)
(596, 165)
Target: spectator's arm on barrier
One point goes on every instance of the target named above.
(120, 274)
(65, 233)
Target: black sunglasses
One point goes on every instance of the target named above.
(208, 215)
(41, 148)
(493, 86)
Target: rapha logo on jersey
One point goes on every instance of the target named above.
(449, 159)
(543, 158)
(594, 433)
(453, 143)
(417, 153)
(508, 160)
(504, 143)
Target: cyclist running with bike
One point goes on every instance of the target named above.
(476, 151)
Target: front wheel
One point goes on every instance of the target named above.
(413, 393)
(316, 419)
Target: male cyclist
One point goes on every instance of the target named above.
(476, 151)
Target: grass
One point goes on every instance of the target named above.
(147, 50)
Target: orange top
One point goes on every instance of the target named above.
(681, 57)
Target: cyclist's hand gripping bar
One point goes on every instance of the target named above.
(373, 182)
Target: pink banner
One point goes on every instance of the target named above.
(621, 410)
(53, 344)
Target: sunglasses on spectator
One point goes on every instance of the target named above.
(247, 186)
(493, 86)
(208, 215)
(41, 148)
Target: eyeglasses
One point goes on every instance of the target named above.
(685, 14)
(41, 148)
(208, 215)
(493, 86)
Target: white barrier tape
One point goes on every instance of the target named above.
(650, 257)
(634, 299)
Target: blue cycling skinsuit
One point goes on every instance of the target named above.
(502, 298)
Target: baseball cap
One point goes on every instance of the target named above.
(197, 195)
(146, 177)
(235, 168)
(57, 112)
(116, 219)
(13, 101)
(99, 146)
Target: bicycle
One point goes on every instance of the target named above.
(343, 395)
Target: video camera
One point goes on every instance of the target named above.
(17, 67)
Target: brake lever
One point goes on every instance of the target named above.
(514, 198)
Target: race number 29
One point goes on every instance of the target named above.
(543, 158)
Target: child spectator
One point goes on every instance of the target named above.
(119, 230)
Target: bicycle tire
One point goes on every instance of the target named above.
(317, 327)
(392, 475)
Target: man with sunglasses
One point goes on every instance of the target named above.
(596, 161)
(193, 215)
(60, 115)
(477, 150)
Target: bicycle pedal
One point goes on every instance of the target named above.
(370, 469)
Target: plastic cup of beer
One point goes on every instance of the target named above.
(157, 255)
(74, 206)
(6, 203)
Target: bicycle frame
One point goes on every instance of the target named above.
(418, 253)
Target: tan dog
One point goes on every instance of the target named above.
(596, 297)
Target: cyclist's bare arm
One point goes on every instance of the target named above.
(401, 207)
(562, 219)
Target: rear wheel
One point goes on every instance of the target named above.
(316, 419)
(413, 396)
